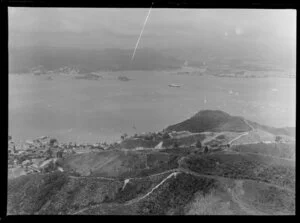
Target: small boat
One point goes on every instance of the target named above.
(174, 85)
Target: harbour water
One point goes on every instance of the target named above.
(81, 110)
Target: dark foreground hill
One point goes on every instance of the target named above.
(242, 179)
(211, 184)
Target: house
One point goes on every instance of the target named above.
(180, 134)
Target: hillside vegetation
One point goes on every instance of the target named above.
(245, 166)
(119, 164)
(189, 174)
(288, 131)
(280, 150)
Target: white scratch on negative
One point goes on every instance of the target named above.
(137, 43)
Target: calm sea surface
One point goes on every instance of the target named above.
(93, 111)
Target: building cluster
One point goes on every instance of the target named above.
(43, 155)
(154, 136)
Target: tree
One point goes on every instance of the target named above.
(198, 144)
(49, 153)
(206, 149)
(149, 137)
(124, 136)
(59, 154)
(165, 135)
(278, 139)
(53, 141)
(176, 144)
(50, 167)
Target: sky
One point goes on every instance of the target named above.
(99, 28)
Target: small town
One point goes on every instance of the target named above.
(42, 154)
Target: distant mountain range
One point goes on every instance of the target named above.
(24, 60)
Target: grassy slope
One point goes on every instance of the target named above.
(132, 143)
(245, 166)
(27, 194)
(174, 194)
(253, 184)
(255, 136)
(288, 131)
(239, 197)
(281, 150)
(120, 164)
(57, 193)
(185, 194)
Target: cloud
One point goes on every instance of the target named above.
(164, 26)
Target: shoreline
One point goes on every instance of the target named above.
(179, 72)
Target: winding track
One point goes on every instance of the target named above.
(174, 173)
(246, 133)
(206, 140)
(236, 138)
(154, 188)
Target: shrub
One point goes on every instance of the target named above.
(221, 137)
(175, 193)
(198, 144)
(278, 139)
(176, 144)
(165, 136)
(53, 141)
(124, 136)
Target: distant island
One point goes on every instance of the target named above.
(210, 163)
(45, 60)
(72, 61)
(88, 77)
(123, 78)
(174, 85)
